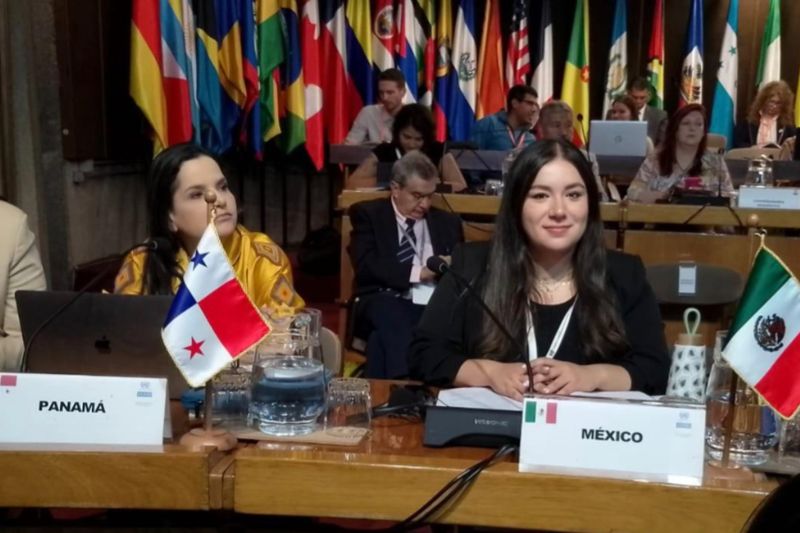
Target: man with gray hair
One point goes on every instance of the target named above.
(391, 241)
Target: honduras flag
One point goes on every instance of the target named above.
(461, 107)
(692, 70)
(211, 321)
(723, 114)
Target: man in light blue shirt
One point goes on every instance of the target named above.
(509, 129)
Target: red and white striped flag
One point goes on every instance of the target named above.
(518, 62)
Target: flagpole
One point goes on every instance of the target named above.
(208, 437)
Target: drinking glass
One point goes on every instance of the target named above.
(349, 403)
(230, 395)
(755, 426)
(287, 394)
(493, 187)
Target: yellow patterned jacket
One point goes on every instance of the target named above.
(260, 265)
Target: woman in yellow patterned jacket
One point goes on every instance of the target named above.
(178, 180)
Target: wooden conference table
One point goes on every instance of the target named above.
(388, 476)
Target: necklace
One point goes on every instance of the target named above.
(551, 286)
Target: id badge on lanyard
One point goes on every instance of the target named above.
(533, 349)
(515, 142)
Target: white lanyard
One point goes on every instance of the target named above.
(515, 143)
(533, 349)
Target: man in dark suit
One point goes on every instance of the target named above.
(391, 241)
(639, 90)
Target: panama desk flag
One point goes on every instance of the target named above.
(211, 321)
(763, 344)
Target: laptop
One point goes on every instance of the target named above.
(618, 138)
(99, 335)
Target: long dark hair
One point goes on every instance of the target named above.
(666, 157)
(161, 266)
(510, 274)
(418, 117)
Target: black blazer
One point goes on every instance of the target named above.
(374, 244)
(746, 134)
(450, 330)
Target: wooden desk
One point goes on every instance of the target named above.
(391, 474)
(172, 479)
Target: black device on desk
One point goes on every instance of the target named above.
(98, 335)
(458, 426)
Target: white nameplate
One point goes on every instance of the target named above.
(769, 197)
(648, 440)
(56, 408)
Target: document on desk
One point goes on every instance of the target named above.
(485, 398)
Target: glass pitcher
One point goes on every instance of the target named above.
(755, 426)
(287, 394)
(759, 172)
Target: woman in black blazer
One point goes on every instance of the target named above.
(586, 316)
(770, 120)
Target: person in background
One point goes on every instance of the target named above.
(20, 270)
(770, 121)
(624, 108)
(512, 128)
(557, 122)
(391, 242)
(374, 122)
(640, 91)
(178, 179)
(585, 316)
(413, 129)
(681, 161)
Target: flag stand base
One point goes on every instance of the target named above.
(200, 438)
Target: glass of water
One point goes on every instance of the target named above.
(287, 393)
(493, 187)
(349, 403)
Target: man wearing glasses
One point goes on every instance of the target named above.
(391, 241)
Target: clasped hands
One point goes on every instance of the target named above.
(550, 376)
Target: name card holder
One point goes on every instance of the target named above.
(629, 439)
(91, 410)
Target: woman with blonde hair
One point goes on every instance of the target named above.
(770, 120)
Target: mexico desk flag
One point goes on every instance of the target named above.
(211, 321)
(763, 344)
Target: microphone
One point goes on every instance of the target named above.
(151, 244)
(579, 116)
(440, 266)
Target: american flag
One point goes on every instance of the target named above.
(518, 63)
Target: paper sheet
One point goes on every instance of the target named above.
(484, 398)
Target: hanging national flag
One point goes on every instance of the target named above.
(406, 48)
(617, 77)
(211, 321)
(335, 87)
(383, 34)
(723, 114)
(444, 43)
(310, 42)
(763, 344)
(359, 54)
(655, 56)
(491, 88)
(692, 70)
(797, 102)
(270, 57)
(769, 62)
(189, 32)
(542, 59)
(250, 135)
(461, 108)
(292, 84)
(575, 90)
(159, 67)
(425, 49)
(518, 62)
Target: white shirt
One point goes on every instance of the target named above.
(641, 112)
(372, 125)
(423, 249)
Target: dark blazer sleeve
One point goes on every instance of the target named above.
(373, 247)
(446, 230)
(441, 342)
(646, 360)
(743, 135)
